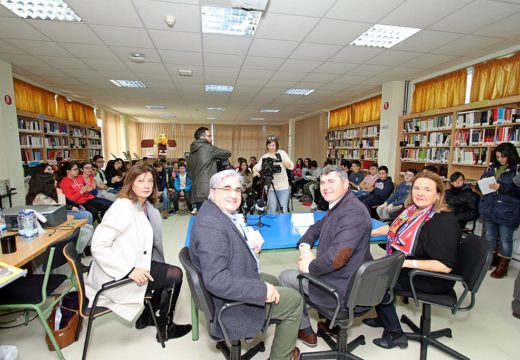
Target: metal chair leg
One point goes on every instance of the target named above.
(159, 335)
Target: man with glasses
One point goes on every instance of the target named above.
(231, 272)
(202, 164)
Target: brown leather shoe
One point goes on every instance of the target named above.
(323, 326)
(309, 340)
(501, 269)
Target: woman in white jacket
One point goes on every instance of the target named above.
(128, 243)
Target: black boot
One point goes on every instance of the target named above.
(167, 328)
(144, 320)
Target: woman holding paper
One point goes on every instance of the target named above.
(500, 208)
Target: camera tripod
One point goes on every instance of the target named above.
(268, 183)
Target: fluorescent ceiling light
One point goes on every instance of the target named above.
(211, 118)
(384, 36)
(167, 116)
(299, 92)
(155, 107)
(257, 119)
(227, 21)
(129, 83)
(219, 88)
(185, 72)
(41, 9)
(269, 110)
(216, 109)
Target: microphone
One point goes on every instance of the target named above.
(260, 206)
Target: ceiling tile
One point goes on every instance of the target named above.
(123, 36)
(356, 54)
(223, 60)
(284, 27)
(466, 45)
(427, 40)
(366, 69)
(187, 17)
(300, 65)
(6, 48)
(45, 48)
(260, 62)
(147, 67)
(500, 29)
(176, 40)
(289, 76)
(17, 28)
(103, 12)
(65, 62)
(232, 72)
(124, 53)
(393, 57)
(23, 61)
(181, 57)
(90, 51)
(337, 68)
(310, 51)
(272, 48)
(371, 11)
(428, 60)
(329, 31)
(301, 7)
(225, 44)
(105, 65)
(322, 78)
(71, 32)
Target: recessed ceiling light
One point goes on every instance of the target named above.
(216, 109)
(269, 110)
(211, 118)
(219, 88)
(185, 72)
(129, 83)
(156, 107)
(384, 36)
(137, 58)
(257, 119)
(42, 9)
(299, 92)
(227, 21)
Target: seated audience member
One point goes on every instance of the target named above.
(247, 176)
(239, 162)
(428, 233)
(100, 175)
(231, 271)
(297, 178)
(367, 185)
(252, 162)
(42, 191)
(74, 188)
(356, 175)
(181, 188)
(463, 201)
(115, 173)
(162, 187)
(86, 171)
(128, 243)
(345, 165)
(311, 178)
(431, 168)
(344, 236)
(394, 204)
(383, 188)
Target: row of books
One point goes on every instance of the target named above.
(435, 123)
(431, 139)
(431, 155)
(31, 155)
(50, 127)
(370, 131)
(78, 143)
(470, 156)
(94, 134)
(496, 116)
(29, 125)
(55, 142)
(30, 141)
(53, 154)
(94, 152)
(78, 132)
(487, 136)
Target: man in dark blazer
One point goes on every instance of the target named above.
(230, 271)
(344, 245)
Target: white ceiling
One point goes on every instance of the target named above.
(299, 43)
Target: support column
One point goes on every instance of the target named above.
(10, 155)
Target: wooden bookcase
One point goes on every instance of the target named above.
(354, 142)
(44, 138)
(461, 138)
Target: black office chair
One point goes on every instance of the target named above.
(31, 293)
(473, 260)
(230, 348)
(74, 260)
(367, 288)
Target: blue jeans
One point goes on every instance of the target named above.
(165, 199)
(82, 214)
(504, 233)
(283, 196)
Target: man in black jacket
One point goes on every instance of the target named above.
(344, 246)
(462, 201)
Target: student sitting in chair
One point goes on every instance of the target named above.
(394, 204)
(382, 189)
(462, 200)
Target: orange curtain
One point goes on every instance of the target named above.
(31, 98)
(367, 110)
(440, 92)
(340, 117)
(496, 79)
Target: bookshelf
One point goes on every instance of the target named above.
(461, 138)
(354, 142)
(44, 138)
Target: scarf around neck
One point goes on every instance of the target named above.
(405, 229)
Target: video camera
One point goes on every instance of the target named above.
(271, 166)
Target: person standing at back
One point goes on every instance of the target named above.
(202, 164)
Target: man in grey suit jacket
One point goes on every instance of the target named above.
(230, 271)
(344, 245)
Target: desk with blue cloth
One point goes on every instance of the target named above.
(279, 235)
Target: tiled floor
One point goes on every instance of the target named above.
(486, 332)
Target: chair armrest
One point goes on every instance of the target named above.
(325, 287)
(115, 283)
(438, 275)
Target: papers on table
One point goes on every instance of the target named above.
(9, 273)
(302, 222)
(484, 183)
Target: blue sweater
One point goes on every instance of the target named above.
(400, 194)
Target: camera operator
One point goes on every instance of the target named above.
(272, 167)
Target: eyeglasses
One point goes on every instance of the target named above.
(228, 189)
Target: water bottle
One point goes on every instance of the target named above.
(3, 226)
(20, 219)
(28, 225)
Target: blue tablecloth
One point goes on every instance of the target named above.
(281, 234)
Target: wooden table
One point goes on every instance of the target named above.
(27, 250)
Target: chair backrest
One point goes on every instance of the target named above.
(473, 259)
(74, 260)
(373, 280)
(199, 294)
(58, 259)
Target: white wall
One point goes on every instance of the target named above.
(10, 156)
